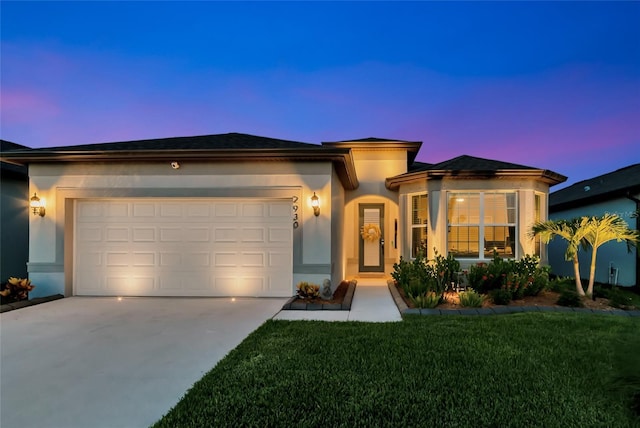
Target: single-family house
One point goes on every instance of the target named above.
(14, 227)
(617, 192)
(241, 215)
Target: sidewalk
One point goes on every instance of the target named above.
(372, 302)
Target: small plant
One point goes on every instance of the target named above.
(16, 289)
(429, 300)
(307, 290)
(570, 298)
(500, 296)
(471, 299)
(560, 284)
(619, 300)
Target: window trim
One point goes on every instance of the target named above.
(480, 224)
(410, 221)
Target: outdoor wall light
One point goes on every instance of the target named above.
(37, 206)
(315, 203)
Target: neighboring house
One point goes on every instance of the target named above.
(233, 214)
(617, 192)
(14, 227)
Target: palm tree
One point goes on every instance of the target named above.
(600, 230)
(573, 231)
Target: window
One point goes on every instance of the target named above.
(538, 217)
(419, 222)
(480, 223)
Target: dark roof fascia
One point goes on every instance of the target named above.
(341, 158)
(546, 176)
(412, 147)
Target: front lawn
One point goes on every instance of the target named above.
(531, 369)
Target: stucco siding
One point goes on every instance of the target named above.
(610, 255)
(14, 230)
(58, 184)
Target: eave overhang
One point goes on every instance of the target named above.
(341, 158)
(546, 176)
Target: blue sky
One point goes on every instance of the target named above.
(554, 85)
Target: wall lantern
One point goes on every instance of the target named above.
(37, 206)
(315, 203)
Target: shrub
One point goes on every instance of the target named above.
(428, 300)
(560, 284)
(570, 298)
(471, 299)
(500, 296)
(307, 290)
(419, 277)
(617, 299)
(524, 277)
(446, 269)
(16, 289)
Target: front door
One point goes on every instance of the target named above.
(371, 237)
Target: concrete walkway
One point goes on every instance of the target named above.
(372, 302)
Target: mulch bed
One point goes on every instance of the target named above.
(341, 300)
(545, 298)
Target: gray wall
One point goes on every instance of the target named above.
(610, 254)
(14, 227)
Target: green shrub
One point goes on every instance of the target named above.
(419, 277)
(570, 298)
(618, 299)
(500, 296)
(446, 269)
(560, 284)
(524, 277)
(429, 300)
(471, 299)
(602, 291)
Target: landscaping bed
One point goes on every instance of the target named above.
(340, 301)
(544, 299)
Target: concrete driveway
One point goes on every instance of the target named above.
(104, 362)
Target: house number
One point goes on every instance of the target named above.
(295, 212)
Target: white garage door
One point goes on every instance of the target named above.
(183, 247)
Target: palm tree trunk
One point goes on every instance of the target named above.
(592, 272)
(576, 271)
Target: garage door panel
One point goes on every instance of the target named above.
(183, 248)
(226, 259)
(252, 259)
(226, 234)
(252, 234)
(117, 210)
(130, 285)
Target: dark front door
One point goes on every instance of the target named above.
(371, 251)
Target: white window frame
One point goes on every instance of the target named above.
(415, 226)
(480, 224)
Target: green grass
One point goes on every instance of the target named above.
(533, 370)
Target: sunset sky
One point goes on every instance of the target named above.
(554, 85)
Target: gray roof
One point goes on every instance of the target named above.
(201, 142)
(11, 169)
(466, 166)
(220, 147)
(369, 140)
(612, 185)
(472, 163)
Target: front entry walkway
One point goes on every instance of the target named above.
(372, 302)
